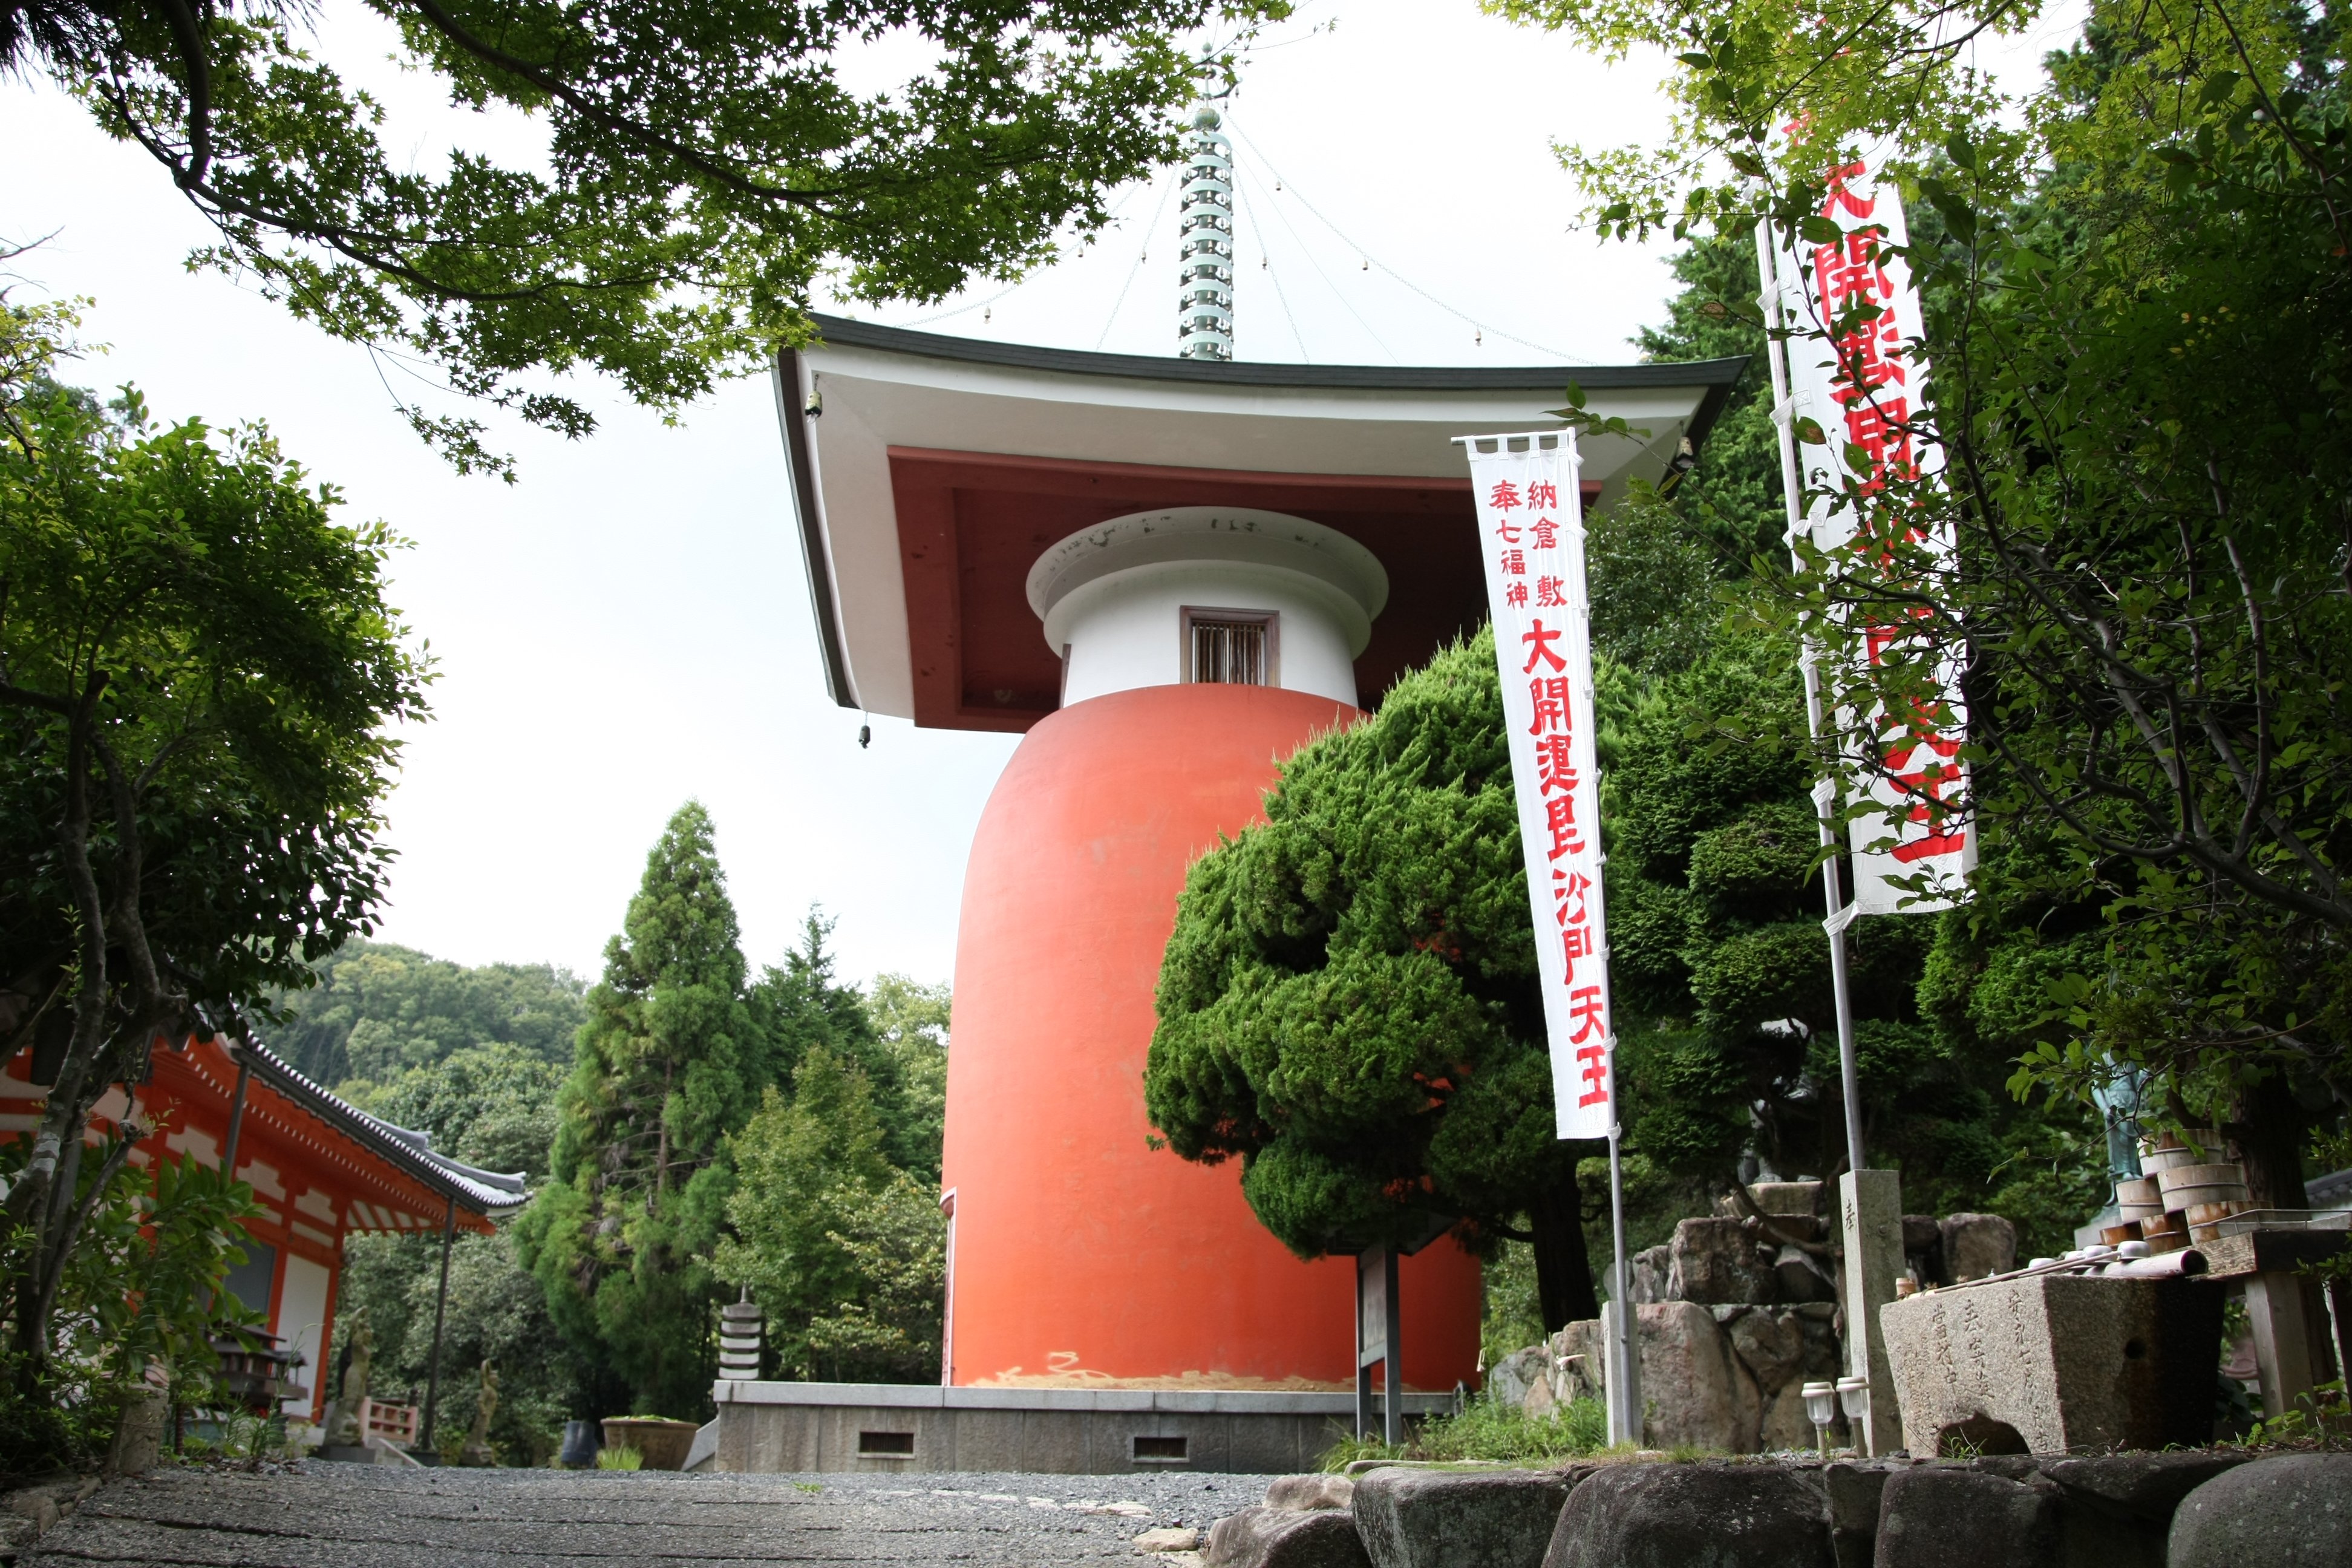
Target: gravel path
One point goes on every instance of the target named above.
(365, 1516)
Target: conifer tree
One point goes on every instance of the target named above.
(1350, 1006)
(670, 1062)
(843, 1249)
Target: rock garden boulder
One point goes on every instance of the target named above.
(1977, 1245)
(1799, 1276)
(1685, 1378)
(1716, 1261)
(1509, 1380)
(1284, 1537)
(1680, 1516)
(1937, 1516)
(1577, 1361)
(2138, 1486)
(1651, 1267)
(1854, 1492)
(1788, 1424)
(2292, 1511)
(1459, 1519)
(1306, 1493)
(1773, 1346)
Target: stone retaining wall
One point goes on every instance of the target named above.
(1735, 1315)
(770, 1427)
(2176, 1509)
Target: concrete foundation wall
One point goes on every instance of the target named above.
(792, 1428)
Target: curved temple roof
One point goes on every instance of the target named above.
(484, 1192)
(929, 472)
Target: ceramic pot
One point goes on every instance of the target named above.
(664, 1443)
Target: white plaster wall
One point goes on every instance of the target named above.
(193, 1144)
(301, 1314)
(1126, 630)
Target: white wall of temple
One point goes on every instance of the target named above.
(1128, 629)
(301, 1322)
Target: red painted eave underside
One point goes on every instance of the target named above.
(306, 1151)
(970, 524)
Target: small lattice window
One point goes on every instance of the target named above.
(1229, 653)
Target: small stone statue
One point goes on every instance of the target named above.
(478, 1452)
(345, 1430)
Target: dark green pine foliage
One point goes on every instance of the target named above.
(1727, 1031)
(798, 1005)
(1729, 1050)
(670, 1062)
(1732, 497)
(1349, 1003)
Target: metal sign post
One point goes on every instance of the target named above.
(1621, 1375)
(1379, 1338)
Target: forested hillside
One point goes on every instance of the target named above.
(379, 1009)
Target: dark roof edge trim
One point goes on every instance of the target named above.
(825, 599)
(481, 1192)
(846, 333)
(1718, 395)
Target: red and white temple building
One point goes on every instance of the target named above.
(1165, 574)
(321, 1169)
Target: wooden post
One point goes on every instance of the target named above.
(236, 1116)
(2284, 1333)
(440, 1313)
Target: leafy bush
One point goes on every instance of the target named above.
(1489, 1429)
(142, 1289)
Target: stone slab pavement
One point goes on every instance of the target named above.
(321, 1515)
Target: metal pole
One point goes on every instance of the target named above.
(1825, 791)
(236, 1116)
(440, 1313)
(1363, 1361)
(1392, 1361)
(1626, 1426)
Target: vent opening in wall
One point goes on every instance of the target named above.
(1229, 648)
(1164, 1450)
(886, 1444)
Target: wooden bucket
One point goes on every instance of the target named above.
(2205, 1220)
(2188, 1187)
(2158, 1159)
(2165, 1232)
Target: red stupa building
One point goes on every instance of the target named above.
(1166, 574)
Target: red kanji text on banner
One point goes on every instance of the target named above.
(1531, 525)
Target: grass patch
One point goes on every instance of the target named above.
(1489, 1429)
(620, 1459)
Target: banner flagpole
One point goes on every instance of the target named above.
(1853, 299)
(1624, 1399)
(1840, 913)
(1531, 519)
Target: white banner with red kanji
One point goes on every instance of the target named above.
(1531, 532)
(1864, 382)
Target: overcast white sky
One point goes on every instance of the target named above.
(630, 626)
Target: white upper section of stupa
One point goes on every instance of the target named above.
(849, 402)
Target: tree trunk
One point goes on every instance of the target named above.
(1563, 1271)
(2269, 1137)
